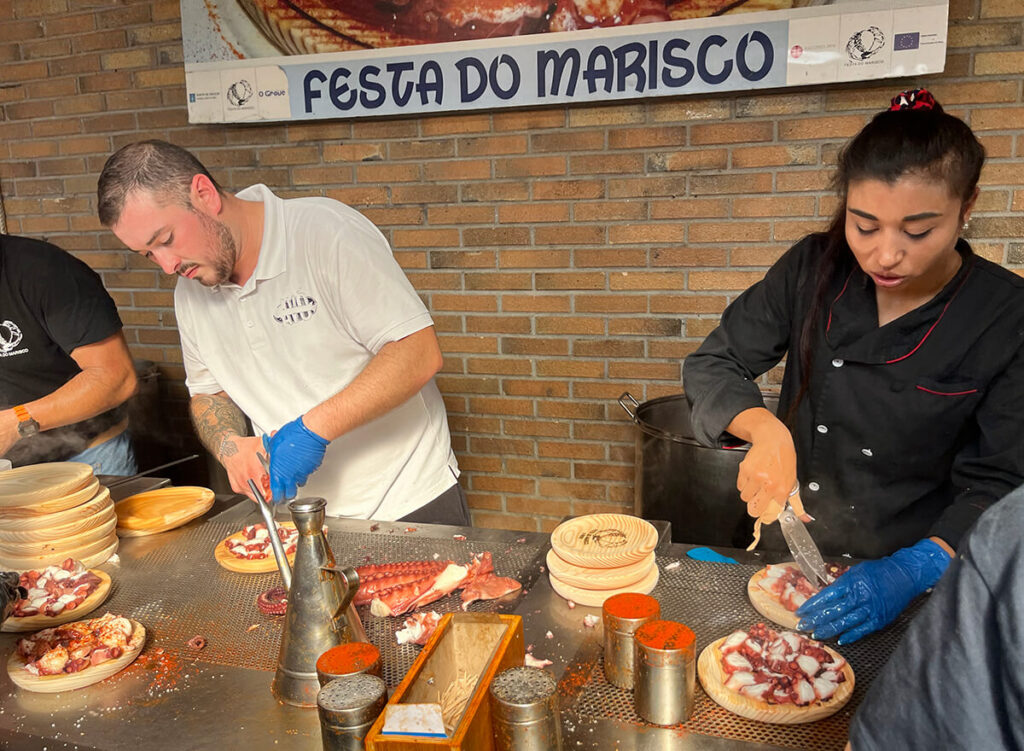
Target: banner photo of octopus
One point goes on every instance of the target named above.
(262, 60)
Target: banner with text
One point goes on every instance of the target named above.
(262, 60)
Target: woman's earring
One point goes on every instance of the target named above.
(965, 226)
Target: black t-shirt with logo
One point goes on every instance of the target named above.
(51, 303)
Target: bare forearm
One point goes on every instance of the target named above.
(391, 378)
(88, 394)
(218, 422)
(754, 422)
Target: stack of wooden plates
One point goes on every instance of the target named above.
(161, 509)
(50, 512)
(594, 557)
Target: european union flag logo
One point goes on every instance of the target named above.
(909, 41)
(192, 97)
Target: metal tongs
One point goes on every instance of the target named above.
(801, 545)
(266, 509)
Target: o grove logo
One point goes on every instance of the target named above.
(295, 309)
(10, 336)
(240, 92)
(865, 43)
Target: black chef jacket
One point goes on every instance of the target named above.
(908, 430)
(955, 681)
(51, 303)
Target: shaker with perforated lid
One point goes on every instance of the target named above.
(622, 615)
(665, 672)
(348, 659)
(524, 711)
(348, 707)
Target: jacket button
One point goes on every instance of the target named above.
(837, 363)
(813, 486)
(866, 452)
(823, 429)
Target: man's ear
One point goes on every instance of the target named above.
(205, 196)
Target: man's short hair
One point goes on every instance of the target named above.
(157, 167)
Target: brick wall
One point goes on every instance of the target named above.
(567, 254)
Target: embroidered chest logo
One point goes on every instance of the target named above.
(295, 309)
(10, 337)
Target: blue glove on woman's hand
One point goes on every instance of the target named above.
(871, 594)
(295, 452)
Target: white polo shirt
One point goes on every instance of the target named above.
(325, 297)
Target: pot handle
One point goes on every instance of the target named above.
(622, 403)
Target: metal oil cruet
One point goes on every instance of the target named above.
(320, 612)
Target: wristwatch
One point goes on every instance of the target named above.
(26, 425)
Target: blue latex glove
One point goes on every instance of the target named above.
(707, 554)
(295, 452)
(871, 594)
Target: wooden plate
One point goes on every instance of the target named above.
(52, 684)
(599, 578)
(242, 566)
(85, 553)
(46, 547)
(712, 678)
(160, 510)
(42, 523)
(594, 598)
(604, 540)
(103, 555)
(101, 513)
(86, 606)
(767, 605)
(43, 488)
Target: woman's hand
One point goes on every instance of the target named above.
(767, 476)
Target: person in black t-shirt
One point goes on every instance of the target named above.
(65, 369)
(904, 383)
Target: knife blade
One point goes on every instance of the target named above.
(804, 551)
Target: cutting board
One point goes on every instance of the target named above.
(86, 553)
(43, 488)
(86, 606)
(52, 684)
(242, 566)
(101, 512)
(604, 540)
(160, 510)
(97, 502)
(599, 578)
(595, 598)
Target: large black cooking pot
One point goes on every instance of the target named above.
(690, 485)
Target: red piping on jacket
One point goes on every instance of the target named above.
(947, 393)
(932, 327)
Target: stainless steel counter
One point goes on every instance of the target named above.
(173, 698)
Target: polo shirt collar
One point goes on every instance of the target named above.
(272, 259)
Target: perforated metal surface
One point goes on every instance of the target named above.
(179, 591)
(711, 599)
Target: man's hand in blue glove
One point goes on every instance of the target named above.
(871, 594)
(295, 453)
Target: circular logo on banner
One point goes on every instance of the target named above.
(865, 43)
(295, 309)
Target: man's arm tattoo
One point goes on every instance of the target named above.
(218, 421)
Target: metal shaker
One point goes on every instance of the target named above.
(348, 707)
(622, 615)
(524, 711)
(665, 672)
(348, 659)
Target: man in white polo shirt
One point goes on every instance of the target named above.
(295, 314)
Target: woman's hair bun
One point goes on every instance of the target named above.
(914, 99)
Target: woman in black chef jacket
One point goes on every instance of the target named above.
(902, 403)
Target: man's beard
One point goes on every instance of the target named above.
(225, 251)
